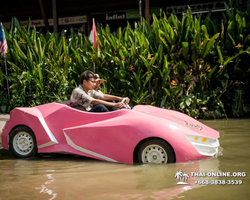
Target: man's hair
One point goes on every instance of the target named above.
(86, 75)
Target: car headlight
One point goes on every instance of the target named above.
(204, 145)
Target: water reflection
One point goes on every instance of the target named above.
(92, 179)
(44, 188)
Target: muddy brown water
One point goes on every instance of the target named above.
(64, 177)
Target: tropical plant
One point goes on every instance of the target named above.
(194, 65)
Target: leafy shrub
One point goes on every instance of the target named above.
(192, 65)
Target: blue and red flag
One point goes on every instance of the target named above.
(3, 42)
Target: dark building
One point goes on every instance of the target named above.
(62, 14)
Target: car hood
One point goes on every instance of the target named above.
(178, 118)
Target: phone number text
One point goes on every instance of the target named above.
(218, 182)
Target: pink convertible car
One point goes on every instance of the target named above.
(144, 134)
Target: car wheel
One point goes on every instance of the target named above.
(155, 151)
(22, 142)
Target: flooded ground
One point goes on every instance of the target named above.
(63, 177)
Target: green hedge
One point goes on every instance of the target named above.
(196, 66)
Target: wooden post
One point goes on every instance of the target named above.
(55, 20)
(84, 29)
(45, 19)
(147, 11)
(140, 11)
(89, 23)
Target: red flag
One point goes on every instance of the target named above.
(3, 42)
(93, 35)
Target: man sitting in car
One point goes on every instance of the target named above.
(86, 98)
(99, 81)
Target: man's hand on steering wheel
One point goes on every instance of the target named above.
(126, 101)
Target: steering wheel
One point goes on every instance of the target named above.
(126, 106)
